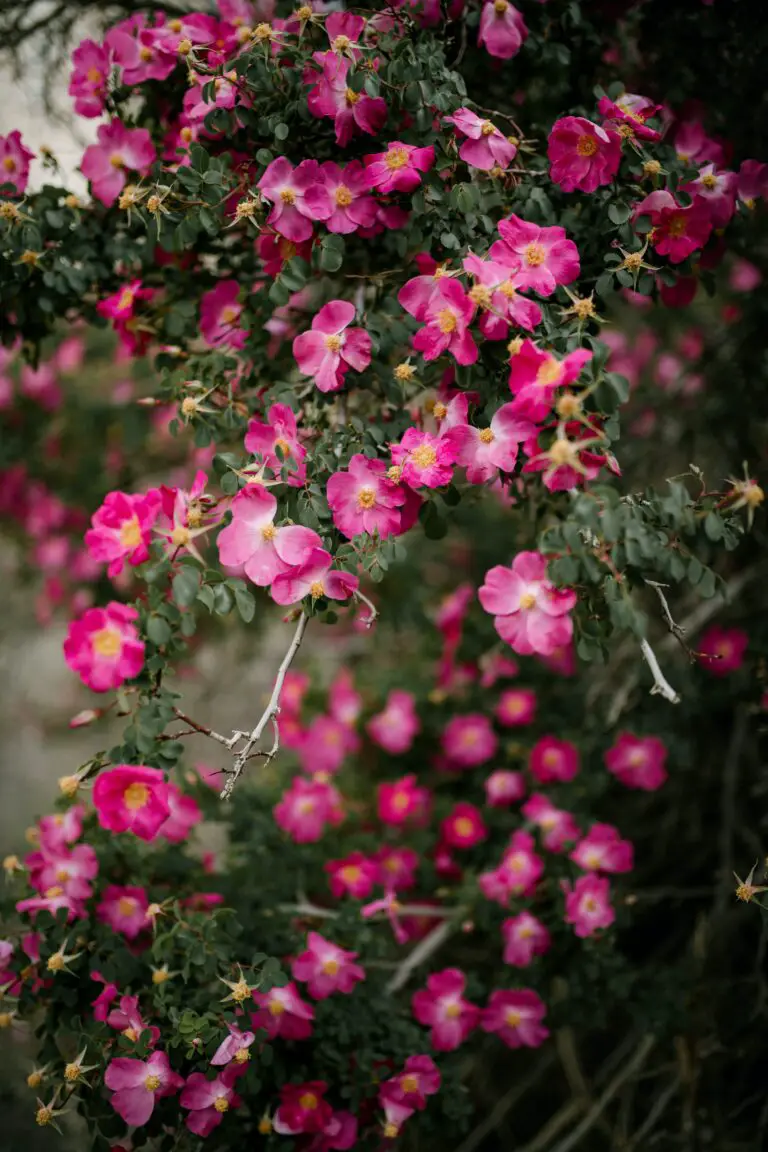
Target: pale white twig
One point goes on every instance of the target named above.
(372, 609)
(423, 950)
(269, 715)
(661, 687)
(428, 911)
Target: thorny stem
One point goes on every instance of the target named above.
(372, 609)
(676, 629)
(661, 686)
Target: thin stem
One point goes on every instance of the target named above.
(423, 950)
(373, 611)
(661, 686)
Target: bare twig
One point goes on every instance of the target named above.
(516, 1092)
(228, 742)
(423, 950)
(676, 630)
(373, 611)
(654, 1115)
(661, 687)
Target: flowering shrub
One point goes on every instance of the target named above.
(372, 309)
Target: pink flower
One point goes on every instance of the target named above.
(297, 197)
(234, 1048)
(328, 351)
(88, 82)
(542, 257)
(344, 701)
(588, 905)
(515, 1017)
(220, 311)
(553, 760)
(535, 376)
(518, 873)
(275, 251)
(306, 808)
(185, 814)
(354, 876)
(395, 1115)
(71, 870)
(121, 529)
(399, 168)
(582, 155)
(251, 542)
(463, 827)
(469, 740)
(331, 97)
(14, 163)
(419, 1079)
(721, 650)
(676, 231)
(353, 206)
(503, 787)
(516, 707)
(282, 1012)
(303, 1109)
(397, 867)
(395, 728)
(128, 1020)
(558, 827)
(524, 938)
(102, 1002)
(628, 115)
(603, 850)
(208, 1100)
(325, 968)
(326, 744)
(485, 147)
(717, 188)
(496, 294)
(124, 910)
(752, 182)
(104, 648)
(402, 802)
(502, 29)
(137, 1084)
(485, 452)
(131, 798)
(446, 324)
(637, 761)
(61, 828)
(693, 146)
(363, 499)
(118, 151)
(313, 578)
(425, 460)
(441, 1006)
(530, 614)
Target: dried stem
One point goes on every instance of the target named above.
(675, 629)
(661, 687)
(372, 609)
(423, 950)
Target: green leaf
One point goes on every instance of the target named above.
(246, 604)
(185, 586)
(158, 630)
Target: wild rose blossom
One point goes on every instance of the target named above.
(124, 909)
(530, 613)
(398, 169)
(103, 646)
(354, 876)
(118, 151)
(463, 827)
(282, 1012)
(535, 375)
(517, 875)
(419, 1079)
(603, 850)
(676, 231)
(588, 905)
(184, 815)
(234, 1049)
(131, 798)
(349, 194)
(208, 1100)
(14, 162)
(326, 744)
(637, 761)
(220, 311)
(468, 741)
(628, 115)
(326, 968)
(516, 707)
(502, 29)
(363, 499)
(397, 867)
(253, 543)
(424, 460)
(503, 787)
(515, 1017)
(127, 1019)
(558, 827)
(121, 529)
(582, 155)
(302, 1108)
(88, 81)
(485, 147)
(402, 802)
(395, 727)
(447, 317)
(442, 1008)
(331, 348)
(313, 577)
(542, 257)
(721, 650)
(553, 760)
(331, 97)
(307, 808)
(137, 1084)
(485, 452)
(525, 937)
(495, 292)
(298, 197)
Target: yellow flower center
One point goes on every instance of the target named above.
(480, 295)
(677, 226)
(93, 76)
(180, 536)
(276, 1008)
(512, 1018)
(400, 801)
(366, 498)
(586, 146)
(242, 1056)
(452, 1011)
(446, 321)
(130, 533)
(351, 96)
(62, 874)
(43, 1116)
(534, 254)
(303, 13)
(390, 1131)
(593, 858)
(527, 601)
(54, 891)
(424, 456)
(316, 589)
(106, 642)
(409, 1083)
(404, 373)
(230, 314)
(146, 53)
(549, 373)
(439, 410)
(240, 991)
(288, 196)
(308, 1101)
(72, 1072)
(341, 43)
(334, 342)
(464, 826)
(136, 796)
(268, 532)
(563, 452)
(500, 7)
(396, 158)
(55, 962)
(34, 1080)
(350, 873)
(160, 975)
(126, 905)
(590, 904)
(487, 128)
(220, 1104)
(487, 436)
(186, 134)
(330, 967)
(709, 181)
(131, 1034)
(152, 1082)
(343, 196)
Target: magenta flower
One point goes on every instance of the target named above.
(363, 499)
(424, 460)
(531, 615)
(535, 376)
(88, 81)
(118, 151)
(463, 827)
(495, 292)
(543, 257)
(588, 905)
(121, 529)
(185, 814)
(127, 1019)
(124, 909)
(103, 646)
(485, 452)
(306, 808)
(503, 787)
(354, 876)
(14, 162)
(325, 968)
(693, 146)
(275, 251)
(220, 311)
(442, 1008)
(298, 197)
(348, 190)
(516, 707)
(137, 1084)
(68, 869)
(279, 433)
(676, 231)
(303, 1109)
(485, 147)
(637, 761)
(515, 1016)
(517, 875)
(502, 29)
(553, 760)
(208, 1100)
(326, 744)
(752, 181)
(251, 541)
(447, 317)
(468, 741)
(603, 850)
(558, 827)
(234, 1049)
(132, 798)
(313, 577)
(282, 1012)
(395, 728)
(403, 801)
(330, 97)
(525, 937)
(399, 168)
(329, 349)
(721, 650)
(419, 1079)
(142, 53)
(397, 867)
(102, 1002)
(628, 115)
(63, 828)
(582, 155)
